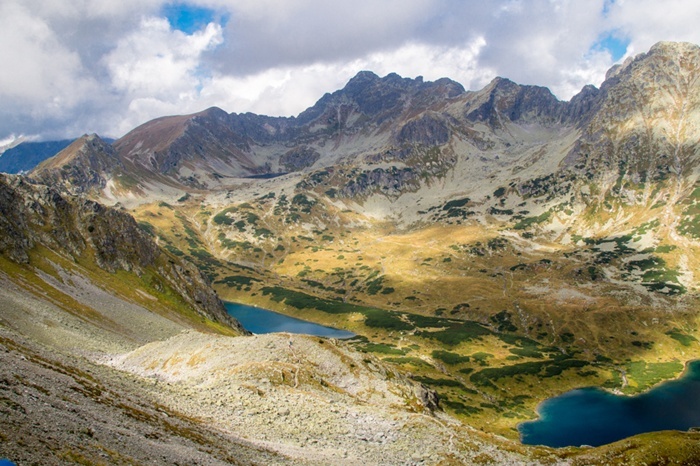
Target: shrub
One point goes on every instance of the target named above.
(682, 338)
(529, 221)
(450, 358)
(382, 349)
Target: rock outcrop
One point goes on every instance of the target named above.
(647, 127)
(33, 214)
(83, 167)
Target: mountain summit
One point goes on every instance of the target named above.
(85, 165)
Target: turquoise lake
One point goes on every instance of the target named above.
(259, 320)
(591, 416)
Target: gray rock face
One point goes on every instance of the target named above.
(645, 128)
(428, 397)
(527, 104)
(428, 130)
(299, 158)
(79, 228)
(390, 181)
(81, 167)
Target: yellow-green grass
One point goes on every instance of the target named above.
(464, 273)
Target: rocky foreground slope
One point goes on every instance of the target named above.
(34, 218)
(101, 364)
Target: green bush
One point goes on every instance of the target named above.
(222, 219)
(450, 358)
(682, 338)
(378, 318)
(382, 349)
(438, 382)
(527, 353)
(529, 221)
(417, 362)
(387, 320)
(460, 408)
(148, 228)
(237, 281)
(457, 333)
(551, 368)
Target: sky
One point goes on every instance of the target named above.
(70, 67)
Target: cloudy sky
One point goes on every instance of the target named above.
(69, 67)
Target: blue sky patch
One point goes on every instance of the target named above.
(607, 6)
(613, 43)
(188, 18)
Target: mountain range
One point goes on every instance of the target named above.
(490, 248)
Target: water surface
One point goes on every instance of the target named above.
(591, 416)
(259, 320)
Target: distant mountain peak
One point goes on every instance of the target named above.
(26, 155)
(82, 166)
(669, 47)
(11, 142)
(363, 76)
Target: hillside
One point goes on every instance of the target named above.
(500, 246)
(115, 352)
(457, 215)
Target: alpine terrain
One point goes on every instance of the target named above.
(490, 249)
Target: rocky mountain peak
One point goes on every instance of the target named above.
(646, 127)
(383, 118)
(362, 78)
(382, 98)
(503, 100)
(84, 165)
(176, 146)
(662, 57)
(86, 145)
(669, 48)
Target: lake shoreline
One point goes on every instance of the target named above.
(683, 381)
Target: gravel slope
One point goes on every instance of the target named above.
(126, 386)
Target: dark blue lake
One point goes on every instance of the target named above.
(259, 320)
(591, 416)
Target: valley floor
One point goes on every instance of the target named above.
(91, 388)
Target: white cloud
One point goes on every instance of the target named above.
(156, 69)
(290, 90)
(646, 22)
(38, 71)
(155, 61)
(459, 63)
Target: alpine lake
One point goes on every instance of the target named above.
(594, 417)
(258, 320)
